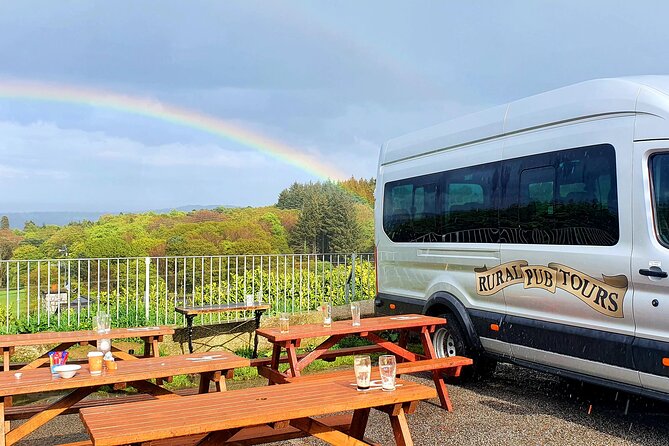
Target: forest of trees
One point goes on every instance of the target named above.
(308, 218)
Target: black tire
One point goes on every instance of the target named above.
(450, 340)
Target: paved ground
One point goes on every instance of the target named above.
(515, 407)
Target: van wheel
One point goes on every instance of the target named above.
(450, 340)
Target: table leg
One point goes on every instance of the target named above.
(326, 433)
(189, 325)
(291, 349)
(359, 423)
(257, 314)
(276, 357)
(3, 429)
(46, 415)
(437, 377)
(7, 401)
(401, 429)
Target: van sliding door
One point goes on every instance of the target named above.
(567, 287)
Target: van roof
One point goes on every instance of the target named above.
(585, 100)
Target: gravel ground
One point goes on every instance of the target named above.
(515, 407)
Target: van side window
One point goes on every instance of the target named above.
(536, 201)
(659, 167)
(410, 209)
(469, 204)
(566, 197)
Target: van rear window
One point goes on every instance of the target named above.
(659, 166)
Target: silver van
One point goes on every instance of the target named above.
(540, 230)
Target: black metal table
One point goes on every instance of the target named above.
(190, 312)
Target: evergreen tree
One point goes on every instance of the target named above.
(4, 222)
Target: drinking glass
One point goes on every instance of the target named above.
(362, 366)
(355, 314)
(95, 362)
(387, 367)
(327, 315)
(102, 322)
(283, 323)
(249, 300)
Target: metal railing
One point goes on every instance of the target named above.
(65, 293)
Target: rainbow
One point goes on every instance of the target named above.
(40, 91)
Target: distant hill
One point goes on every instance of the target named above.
(18, 219)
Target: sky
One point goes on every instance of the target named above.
(128, 106)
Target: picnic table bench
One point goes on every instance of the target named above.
(369, 328)
(151, 336)
(218, 418)
(190, 311)
(137, 373)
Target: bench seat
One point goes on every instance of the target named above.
(450, 365)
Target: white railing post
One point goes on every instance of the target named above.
(147, 262)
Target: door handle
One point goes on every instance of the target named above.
(653, 273)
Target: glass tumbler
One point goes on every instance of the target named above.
(387, 368)
(284, 323)
(362, 367)
(355, 314)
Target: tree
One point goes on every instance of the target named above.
(4, 222)
(327, 222)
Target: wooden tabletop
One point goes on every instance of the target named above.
(62, 337)
(122, 423)
(373, 324)
(41, 380)
(236, 306)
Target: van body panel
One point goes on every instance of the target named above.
(560, 265)
(651, 294)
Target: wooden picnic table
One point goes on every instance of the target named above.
(369, 328)
(190, 311)
(225, 417)
(211, 367)
(151, 336)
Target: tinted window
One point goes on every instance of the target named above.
(410, 210)
(659, 165)
(565, 198)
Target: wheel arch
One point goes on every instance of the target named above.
(442, 302)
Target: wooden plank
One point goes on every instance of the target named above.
(218, 438)
(359, 423)
(249, 436)
(223, 308)
(3, 425)
(274, 377)
(156, 420)
(392, 347)
(28, 410)
(292, 358)
(61, 337)
(401, 429)
(324, 432)
(376, 324)
(427, 365)
(329, 355)
(40, 380)
(153, 390)
(43, 417)
(317, 352)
